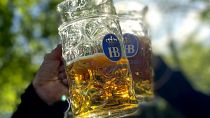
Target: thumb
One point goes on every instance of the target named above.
(50, 65)
(55, 54)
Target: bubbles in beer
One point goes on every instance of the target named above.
(141, 69)
(97, 83)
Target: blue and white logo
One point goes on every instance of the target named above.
(131, 44)
(111, 47)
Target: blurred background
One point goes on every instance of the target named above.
(180, 33)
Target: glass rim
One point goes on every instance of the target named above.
(70, 10)
(73, 6)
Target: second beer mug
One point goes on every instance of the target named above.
(138, 47)
(100, 82)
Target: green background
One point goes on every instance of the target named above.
(28, 30)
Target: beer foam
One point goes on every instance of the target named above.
(86, 57)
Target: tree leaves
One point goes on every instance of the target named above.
(21, 49)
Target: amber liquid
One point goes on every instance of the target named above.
(100, 87)
(141, 68)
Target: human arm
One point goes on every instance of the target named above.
(42, 98)
(174, 87)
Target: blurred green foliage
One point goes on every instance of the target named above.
(205, 13)
(194, 62)
(28, 29)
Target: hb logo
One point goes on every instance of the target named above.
(131, 44)
(111, 47)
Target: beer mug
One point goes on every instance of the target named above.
(100, 81)
(138, 47)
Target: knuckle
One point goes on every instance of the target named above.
(46, 56)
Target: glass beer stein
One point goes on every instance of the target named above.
(100, 82)
(138, 47)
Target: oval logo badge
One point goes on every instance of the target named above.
(131, 43)
(111, 47)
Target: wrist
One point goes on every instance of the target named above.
(41, 91)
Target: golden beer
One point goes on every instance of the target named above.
(141, 68)
(98, 85)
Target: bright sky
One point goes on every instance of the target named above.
(178, 23)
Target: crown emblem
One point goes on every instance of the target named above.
(127, 40)
(111, 40)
